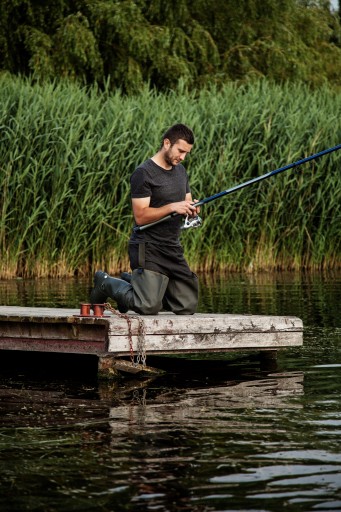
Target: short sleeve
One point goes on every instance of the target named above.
(139, 184)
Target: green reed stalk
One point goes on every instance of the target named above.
(66, 154)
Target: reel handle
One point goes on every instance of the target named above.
(192, 222)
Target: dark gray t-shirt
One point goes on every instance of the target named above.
(163, 187)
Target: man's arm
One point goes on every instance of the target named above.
(144, 214)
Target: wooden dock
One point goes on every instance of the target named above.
(111, 336)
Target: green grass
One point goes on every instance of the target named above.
(66, 154)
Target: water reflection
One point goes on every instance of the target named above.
(235, 434)
(209, 408)
(142, 441)
(185, 393)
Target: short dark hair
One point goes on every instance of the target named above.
(178, 131)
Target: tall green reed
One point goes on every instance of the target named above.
(66, 154)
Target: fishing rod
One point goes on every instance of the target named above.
(196, 221)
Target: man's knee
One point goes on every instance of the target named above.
(181, 296)
(149, 289)
(188, 306)
(187, 310)
(149, 309)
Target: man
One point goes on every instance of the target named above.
(161, 277)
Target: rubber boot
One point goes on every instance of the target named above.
(144, 295)
(126, 276)
(97, 295)
(117, 289)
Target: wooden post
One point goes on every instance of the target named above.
(106, 368)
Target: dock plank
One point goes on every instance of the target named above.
(209, 342)
(64, 330)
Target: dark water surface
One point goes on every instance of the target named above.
(226, 435)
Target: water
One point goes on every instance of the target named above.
(234, 434)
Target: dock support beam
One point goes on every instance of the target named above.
(268, 360)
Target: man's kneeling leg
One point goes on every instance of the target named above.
(181, 296)
(143, 295)
(149, 288)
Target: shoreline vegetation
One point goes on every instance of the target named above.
(67, 153)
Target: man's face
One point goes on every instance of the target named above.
(176, 153)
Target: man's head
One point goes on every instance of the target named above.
(178, 131)
(177, 142)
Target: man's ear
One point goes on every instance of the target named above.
(166, 144)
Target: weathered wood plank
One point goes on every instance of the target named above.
(166, 323)
(66, 346)
(18, 312)
(156, 324)
(64, 330)
(53, 330)
(167, 333)
(207, 342)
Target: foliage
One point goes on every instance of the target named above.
(67, 152)
(157, 42)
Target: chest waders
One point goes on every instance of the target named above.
(147, 292)
(181, 295)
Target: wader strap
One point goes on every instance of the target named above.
(142, 256)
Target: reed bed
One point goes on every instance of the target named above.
(66, 154)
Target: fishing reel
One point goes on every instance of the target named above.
(192, 222)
